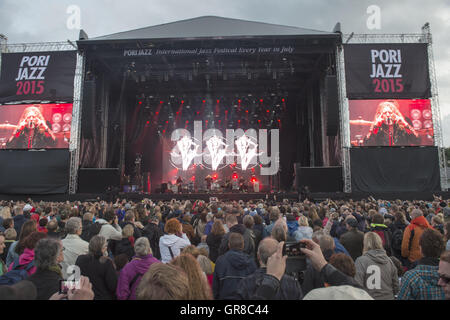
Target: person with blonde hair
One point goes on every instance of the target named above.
(5, 213)
(199, 288)
(207, 266)
(304, 231)
(375, 271)
(163, 282)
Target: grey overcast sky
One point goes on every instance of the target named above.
(46, 20)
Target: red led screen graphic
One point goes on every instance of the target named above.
(35, 126)
(391, 122)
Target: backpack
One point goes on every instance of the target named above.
(397, 238)
(16, 274)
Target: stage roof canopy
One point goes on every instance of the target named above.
(209, 27)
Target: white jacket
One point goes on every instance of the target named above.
(73, 246)
(110, 232)
(175, 243)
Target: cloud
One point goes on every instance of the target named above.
(446, 130)
(45, 20)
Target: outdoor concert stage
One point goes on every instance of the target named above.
(214, 103)
(235, 100)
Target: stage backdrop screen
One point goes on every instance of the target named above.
(35, 126)
(37, 76)
(387, 71)
(391, 123)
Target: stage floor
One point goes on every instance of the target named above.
(292, 196)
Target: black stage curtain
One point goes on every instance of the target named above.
(34, 172)
(391, 169)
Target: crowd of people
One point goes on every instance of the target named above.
(225, 250)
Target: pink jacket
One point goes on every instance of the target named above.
(25, 258)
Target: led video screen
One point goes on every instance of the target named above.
(391, 122)
(35, 126)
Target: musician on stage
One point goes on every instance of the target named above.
(179, 183)
(243, 185)
(227, 185)
(208, 180)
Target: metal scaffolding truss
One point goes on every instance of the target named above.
(435, 107)
(37, 47)
(424, 37)
(345, 119)
(75, 136)
(383, 38)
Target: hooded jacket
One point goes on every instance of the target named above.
(25, 258)
(138, 266)
(230, 269)
(374, 264)
(249, 243)
(292, 226)
(175, 243)
(419, 224)
(214, 241)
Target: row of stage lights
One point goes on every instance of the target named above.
(274, 69)
(225, 113)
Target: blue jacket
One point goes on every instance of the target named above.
(230, 269)
(208, 227)
(339, 248)
(338, 229)
(292, 226)
(268, 230)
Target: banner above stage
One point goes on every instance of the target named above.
(37, 76)
(208, 51)
(387, 71)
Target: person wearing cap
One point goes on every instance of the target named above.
(412, 234)
(353, 239)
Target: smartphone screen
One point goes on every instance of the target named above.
(65, 286)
